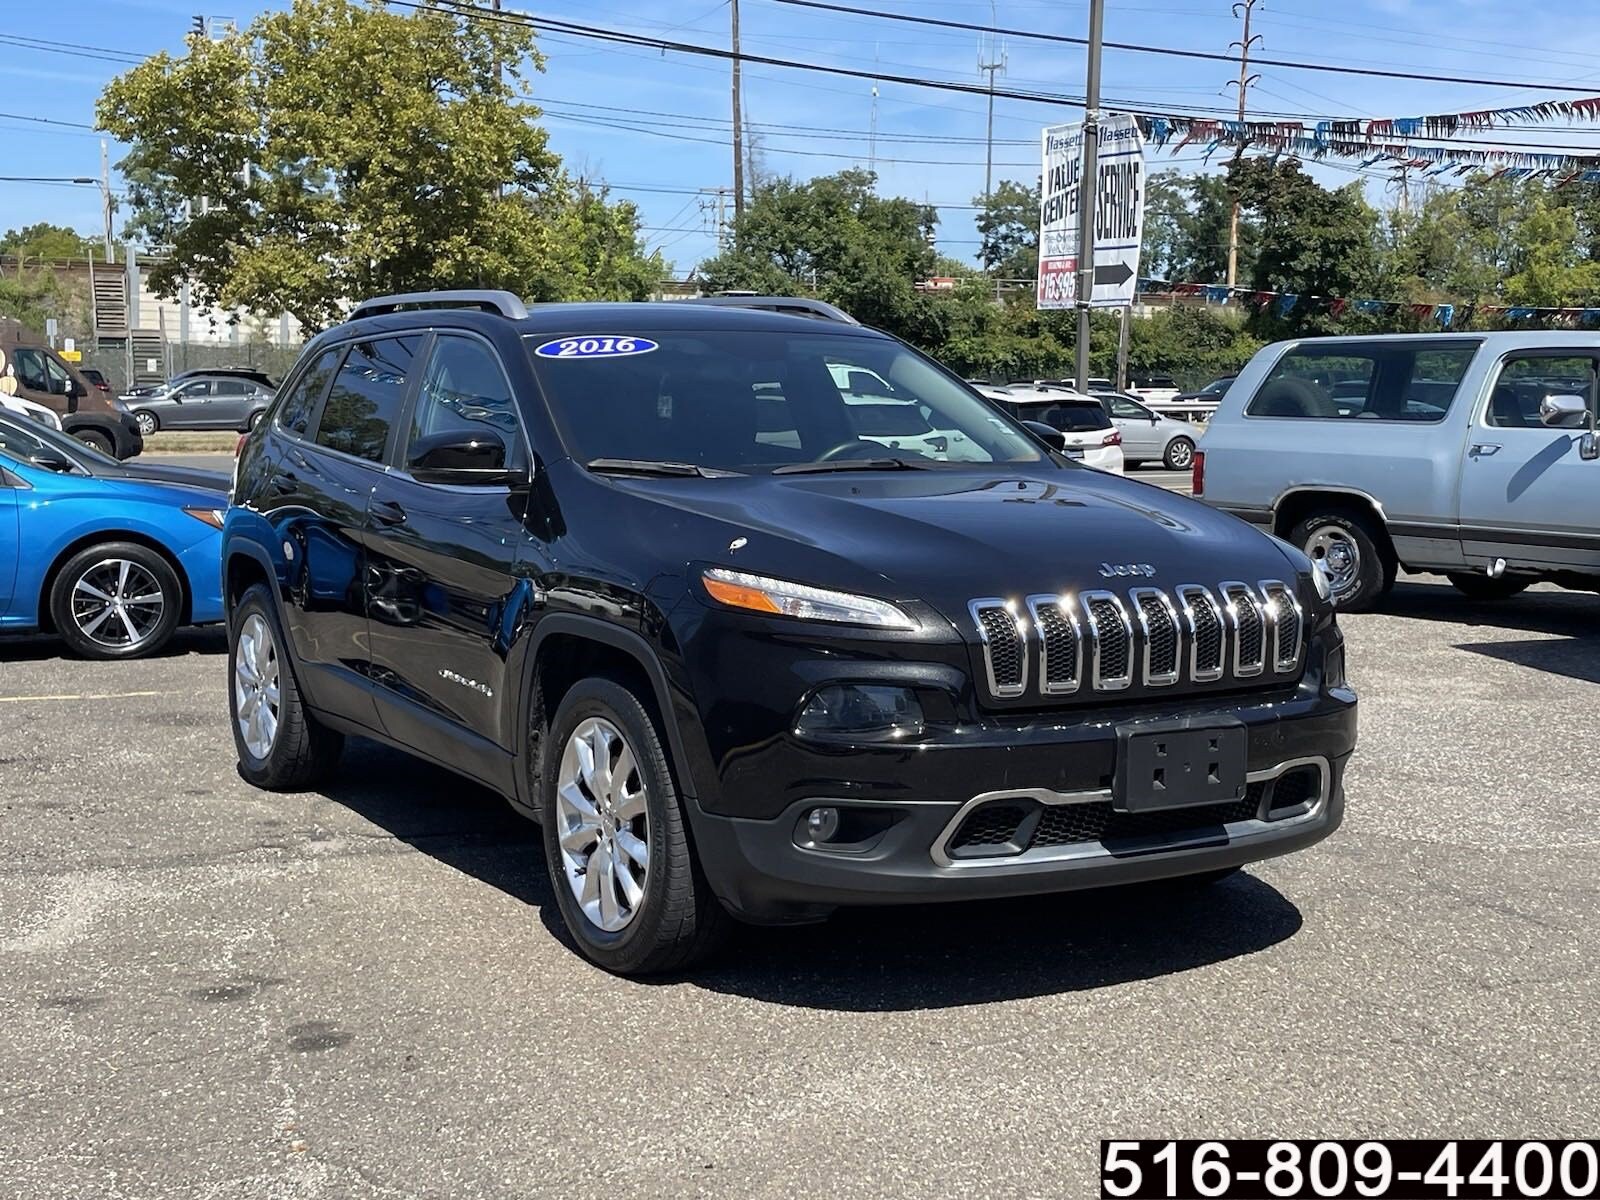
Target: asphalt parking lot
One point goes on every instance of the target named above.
(215, 992)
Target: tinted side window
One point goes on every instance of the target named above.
(30, 370)
(193, 391)
(1388, 381)
(366, 397)
(464, 391)
(232, 387)
(1525, 381)
(296, 411)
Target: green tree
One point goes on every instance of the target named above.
(1314, 242)
(341, 149)
(833, 237)
(1008, 223)
(46, 242)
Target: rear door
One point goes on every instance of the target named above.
(1526, 495)
(230, 402)
(443, 595)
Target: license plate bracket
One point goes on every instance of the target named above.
(1181, 763)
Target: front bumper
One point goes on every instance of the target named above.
(762, 872)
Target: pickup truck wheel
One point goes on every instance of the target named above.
(281, 746)
(1180, 454)
(615, 841)
(1481, 587)
(1360, 570)
(93, 437)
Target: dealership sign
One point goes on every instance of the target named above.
(1119, 214)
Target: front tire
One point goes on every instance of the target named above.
(254, 419)
(1481, 587)
(116, 600)
(281, 746)
(1179, 455)
(146, 421)
(1359, 567)
(616, 845)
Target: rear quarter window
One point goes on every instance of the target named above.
(1375, 381)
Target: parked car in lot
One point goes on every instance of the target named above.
(1214, 390)
(1147, 436)
(1469, 455)
(1154, 389)
(1083, 424)
(42, 377)
(202, 400)
(97, 379)
(565, 551)
(113, 557)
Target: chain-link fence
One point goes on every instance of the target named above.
(189, 356)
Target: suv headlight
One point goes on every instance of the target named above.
(785, 598)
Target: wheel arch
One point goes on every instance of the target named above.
(567, 647)
(47, 621)
(1298, 503)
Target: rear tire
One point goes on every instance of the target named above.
(116, 600)
(1481, 587)
(1360, 568)
(628, 917)
(93, 437)
(281, 746)
(1179, 455)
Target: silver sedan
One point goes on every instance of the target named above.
(1148, 436)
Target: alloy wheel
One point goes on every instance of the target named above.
(146, 423)
(118, 603)
(1340, 556)
(603, 824)
(255, 685)
(1180, 454)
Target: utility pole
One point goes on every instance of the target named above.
(1243, 7)
(105, 198)
(738, 123)
(1086, 189)
(994, 64)
(872, 134)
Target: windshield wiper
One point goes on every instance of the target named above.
(854, 464)
(647, 466)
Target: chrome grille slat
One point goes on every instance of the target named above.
(1249, 623)
(1060, 632)
(1288, 624)
(1208, 633)
(1104, 641)
(1005, 646)
(1162, 659)
(1111, 641)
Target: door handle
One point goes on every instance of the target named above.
(387, 512)
(1483, 449)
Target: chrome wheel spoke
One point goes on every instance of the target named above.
(83, 585)
(602, 830)
(95, 624)
(255, 682)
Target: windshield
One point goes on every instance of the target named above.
(750, 401)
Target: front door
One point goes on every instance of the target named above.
(1133, 421)
(9, 546)
(1526, 495)
(188, 407)
(41, 379)
(444, 597)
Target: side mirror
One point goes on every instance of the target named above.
(1564, 412)
(1047, 434)
(1155, 418)
(50, 460)
(476, 457)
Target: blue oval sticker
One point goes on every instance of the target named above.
(609, 346)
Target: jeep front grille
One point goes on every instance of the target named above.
(1106, 641)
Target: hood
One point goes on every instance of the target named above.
(951, 535)
(216, 481)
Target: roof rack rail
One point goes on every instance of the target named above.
(506, 304)
(794, 306)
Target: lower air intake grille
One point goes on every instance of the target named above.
(1067, 824)
(989, 825)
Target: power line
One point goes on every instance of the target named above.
(1175, 52)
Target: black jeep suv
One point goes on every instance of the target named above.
(667, 578)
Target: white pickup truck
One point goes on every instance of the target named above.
(1471, 455)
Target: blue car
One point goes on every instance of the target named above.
(112, 556)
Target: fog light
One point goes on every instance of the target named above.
(822, 824)
(860, 712)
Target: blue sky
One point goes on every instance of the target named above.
(929, 145)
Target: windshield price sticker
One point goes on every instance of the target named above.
(1289, 1170)
(609, 346)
